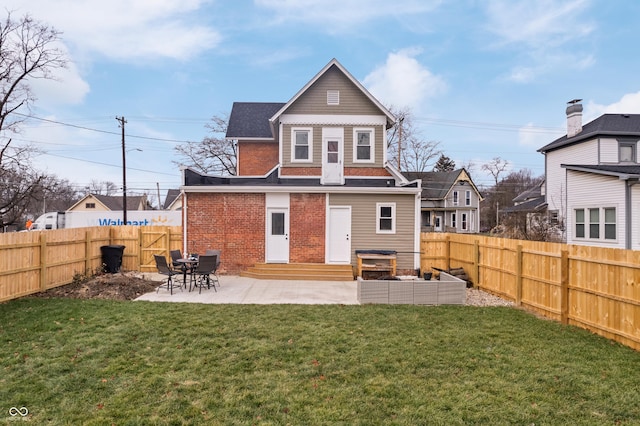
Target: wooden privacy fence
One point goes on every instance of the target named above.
(592, 287)
(36, 261)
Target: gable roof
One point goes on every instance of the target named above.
(529, 194)
(250, 120)
(134, 202)
(436, 185)
(172, 195)
(605, 125)
(391, 119)
(533, 205)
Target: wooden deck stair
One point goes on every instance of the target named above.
(299, 271)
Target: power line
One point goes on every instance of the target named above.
(102, 131)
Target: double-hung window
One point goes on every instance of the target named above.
(601, 223)
(455, 198)
(579, 223)
(363, 144)
(301, 145)
(609, 223)
(453, 220)
(467, 198)
(594, 223)
(386, 218)
(464, 221)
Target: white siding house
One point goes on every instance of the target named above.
(592, 179)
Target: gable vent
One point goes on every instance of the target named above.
(333, 97)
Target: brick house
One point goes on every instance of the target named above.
(313, 183)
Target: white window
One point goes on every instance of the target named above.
(601, 221)
(467, 198)
(627, 151)
(455, 198)
(386, 218)
(579, 223)
(453, 220)
(333, 97)
(464, 221)
(609, 223)
(301, 145)
(594, 223)
(363, 142)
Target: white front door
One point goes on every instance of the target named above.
(332, 164)
(339, 234)
(277, 250)
(438, 223)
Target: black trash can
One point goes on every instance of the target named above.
(112, 258)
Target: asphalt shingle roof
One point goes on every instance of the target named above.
(435, 185)
(606, 124)
(251, 119)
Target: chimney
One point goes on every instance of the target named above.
(574, 117)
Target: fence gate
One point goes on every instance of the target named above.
(157, 240)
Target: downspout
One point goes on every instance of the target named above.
(628, 206)
(184, 221)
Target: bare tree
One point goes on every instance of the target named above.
(406, 147)
(214, 154)
(103, 187)
(495, 167)
(27, 51)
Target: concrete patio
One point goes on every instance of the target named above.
(240, 290)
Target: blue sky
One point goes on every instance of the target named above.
(483, 78)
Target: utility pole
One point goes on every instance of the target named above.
(122, 122)
(159, 202)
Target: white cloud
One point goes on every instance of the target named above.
(548, 22)
(126, 29)
(402, 81)
(343, 15)
(628, 104)
(546, 33)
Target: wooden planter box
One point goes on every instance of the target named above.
(449, 290)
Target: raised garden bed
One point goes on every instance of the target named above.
(448, 290)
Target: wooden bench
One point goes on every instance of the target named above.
(376, 262)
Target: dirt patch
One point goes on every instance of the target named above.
(119, 286)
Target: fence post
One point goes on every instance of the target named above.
(87, 253)
(476, 263)
(564, 287)
(43, 261)
(519, 275)
(447, 253)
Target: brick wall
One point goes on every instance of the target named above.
(232, 223)
(301, 171)
(366, 171)
(256, 158)
(307, 228)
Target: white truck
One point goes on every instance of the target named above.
(80, 219)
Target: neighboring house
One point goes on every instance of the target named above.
(592, 178)
(528, 216)
(173, 200)
(313, 183)
(100, 203)
(450, 201)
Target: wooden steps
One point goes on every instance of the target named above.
(299, 271)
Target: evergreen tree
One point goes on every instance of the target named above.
(444, 164)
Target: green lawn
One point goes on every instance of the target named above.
(104, 362)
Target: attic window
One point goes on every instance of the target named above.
(333, 97)
(90, 205)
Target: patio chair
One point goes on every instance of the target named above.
(203, 273)
(164, 269)
(175, 255)
(210, 252)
